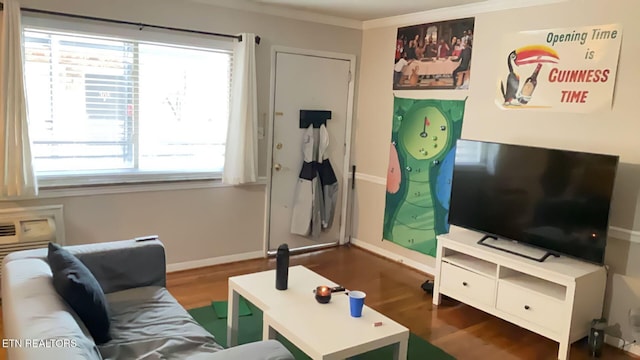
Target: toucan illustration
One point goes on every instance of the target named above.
(513, 80)
(522, 56)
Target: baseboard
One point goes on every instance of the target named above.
(634, 349)
(213, 261)
(393, 256)
(631, 348)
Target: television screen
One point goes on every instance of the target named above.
(556, 200)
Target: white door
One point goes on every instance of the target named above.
(306, 82)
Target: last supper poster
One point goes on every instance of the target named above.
(434, 55)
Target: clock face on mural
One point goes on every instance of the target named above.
(424, 133)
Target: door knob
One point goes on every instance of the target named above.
(277, 167)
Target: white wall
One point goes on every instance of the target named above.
(201, 223)
(615, 131)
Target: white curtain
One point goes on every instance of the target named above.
(241, 154)
(17, 175)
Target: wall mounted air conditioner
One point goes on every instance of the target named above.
(30, 228)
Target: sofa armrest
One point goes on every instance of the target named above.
(259, 350)
(125, 264)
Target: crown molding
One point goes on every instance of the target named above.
(286, 13)
(447, 13)
(453, 12)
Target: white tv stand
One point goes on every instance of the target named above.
(557, 298)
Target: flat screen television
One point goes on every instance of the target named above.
(555, 200)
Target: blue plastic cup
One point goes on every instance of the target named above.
(356, 302)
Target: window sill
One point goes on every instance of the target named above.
(72, 191)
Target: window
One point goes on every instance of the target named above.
(477, 153)
(470, 153)
(105, 110)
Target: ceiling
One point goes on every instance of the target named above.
(360, 10)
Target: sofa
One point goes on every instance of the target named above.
(146, 322)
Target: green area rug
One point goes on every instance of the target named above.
(250, 330)
(220, 307)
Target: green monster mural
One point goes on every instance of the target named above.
(420, 169)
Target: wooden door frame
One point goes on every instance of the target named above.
(348, 130)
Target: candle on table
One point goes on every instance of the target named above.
(323, 291)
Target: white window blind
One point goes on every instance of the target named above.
(111, 110)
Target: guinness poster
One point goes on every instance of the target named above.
(562, 70)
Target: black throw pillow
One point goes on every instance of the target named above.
(80, 289)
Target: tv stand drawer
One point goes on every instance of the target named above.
(530, 306)
(457, 281)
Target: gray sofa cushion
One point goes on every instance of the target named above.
(80, 289)
(148, 323)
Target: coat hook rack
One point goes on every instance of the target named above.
(314, 117)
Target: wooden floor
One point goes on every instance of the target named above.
(394, 290)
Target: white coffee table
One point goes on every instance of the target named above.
(328, 332)
(294, 313)
(260, 289)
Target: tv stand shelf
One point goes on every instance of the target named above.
(557, 298)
